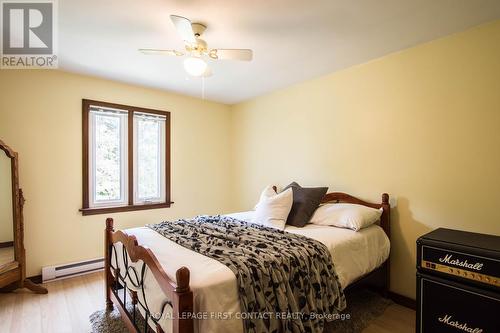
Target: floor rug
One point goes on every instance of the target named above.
(362, 308)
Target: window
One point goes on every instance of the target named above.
(126, 158)
(149, 158)
(108, 156)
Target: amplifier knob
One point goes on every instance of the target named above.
(487, 279)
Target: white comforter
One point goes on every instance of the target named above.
(214, 285)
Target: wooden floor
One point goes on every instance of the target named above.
(67, 306)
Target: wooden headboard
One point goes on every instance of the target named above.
(385, 219)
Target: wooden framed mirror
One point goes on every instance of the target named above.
(12, 253)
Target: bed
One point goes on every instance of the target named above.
(182, 291)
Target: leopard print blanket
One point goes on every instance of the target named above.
(287, 282)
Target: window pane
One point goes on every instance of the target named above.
(148, 158)
(107, 158)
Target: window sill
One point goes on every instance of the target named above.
(107, 210)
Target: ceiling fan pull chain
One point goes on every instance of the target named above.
(202, 87)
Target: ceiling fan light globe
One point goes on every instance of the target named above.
(195, 66)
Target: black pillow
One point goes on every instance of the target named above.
(305, 202)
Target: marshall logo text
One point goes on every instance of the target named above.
(447, 319)
(448, 259)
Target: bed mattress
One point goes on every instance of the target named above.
(214, 286)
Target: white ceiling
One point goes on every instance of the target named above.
(293, 40)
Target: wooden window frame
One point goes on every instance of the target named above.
(86, 210)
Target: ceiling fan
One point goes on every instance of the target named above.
(196, 48)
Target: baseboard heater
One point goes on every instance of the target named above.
(51, 273)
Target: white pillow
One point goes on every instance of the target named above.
(267, 192)
(272, 209)
(350, 216)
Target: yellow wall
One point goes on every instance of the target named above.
(6, 222)
(422, 124)
(40, 118)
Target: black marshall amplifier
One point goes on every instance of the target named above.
(462, 256)
(458, 282)
(450, 307)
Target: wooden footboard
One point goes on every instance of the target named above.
(178, 294)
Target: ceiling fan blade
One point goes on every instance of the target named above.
(161, 52)
(184, 28)
(234, 54)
